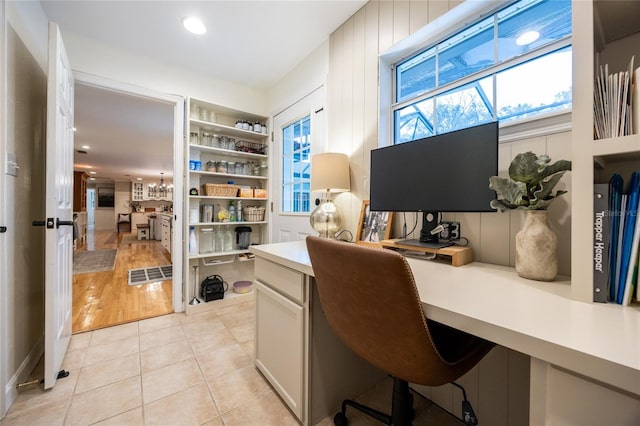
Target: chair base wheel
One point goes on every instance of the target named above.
(340, 419)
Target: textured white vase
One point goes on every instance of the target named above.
(536, 248)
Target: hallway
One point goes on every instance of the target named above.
(103, 299)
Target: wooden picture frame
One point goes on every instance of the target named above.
(373, 227)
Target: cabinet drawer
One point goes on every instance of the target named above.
(280, 278)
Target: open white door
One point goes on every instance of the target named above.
(59, 208)
(299, 132)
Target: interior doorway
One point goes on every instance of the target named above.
(125, 302)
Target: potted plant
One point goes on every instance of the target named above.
(530, 187)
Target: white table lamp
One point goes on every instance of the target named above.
(330, 173)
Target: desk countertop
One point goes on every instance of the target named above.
(601, 341)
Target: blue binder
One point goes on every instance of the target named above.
(627, 238)
(615, 195)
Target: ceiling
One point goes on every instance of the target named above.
(253, 43)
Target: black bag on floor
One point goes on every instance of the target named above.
(213, 288)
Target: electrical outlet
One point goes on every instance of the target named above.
(451, 231)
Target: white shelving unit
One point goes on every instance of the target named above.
(594, 161)
(207, 152)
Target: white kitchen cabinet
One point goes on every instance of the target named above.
(219, 153)
(137, 191)
(166, 232)
(279, 345)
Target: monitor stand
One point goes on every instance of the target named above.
(427, 239)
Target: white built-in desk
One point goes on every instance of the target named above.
(585, 358)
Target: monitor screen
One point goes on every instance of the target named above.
(443, 173)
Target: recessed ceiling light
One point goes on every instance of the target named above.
(138, 178)
(88, 167)
(92, 178)
(92, 173)
(85, 146)
(194, 25)
(527, 38)
(74, 129)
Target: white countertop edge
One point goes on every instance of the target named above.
(536, 318)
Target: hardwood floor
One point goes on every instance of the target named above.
(103, 299)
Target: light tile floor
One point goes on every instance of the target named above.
(176, 370)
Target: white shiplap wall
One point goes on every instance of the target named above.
(498, 387)
(353, 111)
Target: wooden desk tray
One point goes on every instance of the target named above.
(458, 256)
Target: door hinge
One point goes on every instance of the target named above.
(271, 136)
(271, 207)
(3, 229)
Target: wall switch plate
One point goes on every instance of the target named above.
(451, 231)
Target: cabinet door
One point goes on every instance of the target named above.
(280, 345)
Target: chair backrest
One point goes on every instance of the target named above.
(371, 302)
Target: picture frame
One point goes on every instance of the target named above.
(106, 198)
(373, 227)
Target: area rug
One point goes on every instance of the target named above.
(86, 262)
(151, 274)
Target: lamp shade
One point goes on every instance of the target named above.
(330, 172)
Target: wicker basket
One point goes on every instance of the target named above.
(253, 214)
(220, 190)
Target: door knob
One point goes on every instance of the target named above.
(60, 223)
(48, 223)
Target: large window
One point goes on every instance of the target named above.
(296, 166)
(513, 64)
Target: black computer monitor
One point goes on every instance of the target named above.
(443, 173)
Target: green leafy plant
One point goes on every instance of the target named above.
(531, 183)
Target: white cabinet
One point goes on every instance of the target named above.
(227, 166)
(165, 233)
(279, 345)
(137, 191)
(594, 161)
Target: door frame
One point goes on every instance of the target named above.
(178, 103)
(3, 215)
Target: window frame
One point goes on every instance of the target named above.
(447, 25)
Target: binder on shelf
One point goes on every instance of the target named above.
(615, 199)
(601, 241)
(628, 234)
(623, 217)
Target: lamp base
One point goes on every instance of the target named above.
(326, 219)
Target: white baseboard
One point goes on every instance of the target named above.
(25, 369)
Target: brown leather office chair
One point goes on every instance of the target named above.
(372, 304)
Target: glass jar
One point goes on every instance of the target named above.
(247, 168)
(206, 139)
(218, 239)
(206, 240)
(195, 111)
(239, 168)
(257, 127)
(231, 167)
(204, 114)
(228, 239)
(193, 138)
(224, 142)
(211, 166)
(231, 144)
(215, 141)
(222, 167)
(263, 168)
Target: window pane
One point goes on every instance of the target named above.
(417, 75)
(465, 106)
(296, 166)
(414, 121)
(467, 52)
(527, 25)
(540, 85)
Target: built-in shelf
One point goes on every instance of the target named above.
(213, 197)
(218, 254)
(205, 173)
(226, 223)
(227, 152)
(227, 130)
